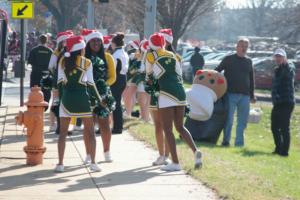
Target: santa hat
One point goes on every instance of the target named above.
(144, 45)
(106, 41)
(157, 41)
(89, 34)
(135, 44)
(63, 36)
(168, 34)
(74, 43)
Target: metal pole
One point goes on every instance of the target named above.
(2, 42)
(23, 51)
(150, 17)
(90, 15)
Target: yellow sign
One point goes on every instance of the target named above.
(22, 10)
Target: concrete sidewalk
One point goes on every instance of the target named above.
(130, 176)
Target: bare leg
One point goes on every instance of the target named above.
(86, 140)
(89, 133)
(167, 117)
(144, 101)
(129, 97)
(158, 132)
(105, 133)
(52, 118)
(63, 132)
(185, 134)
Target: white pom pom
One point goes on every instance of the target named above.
(67, 54)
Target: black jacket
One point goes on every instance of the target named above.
(283, 85)
(197, 61)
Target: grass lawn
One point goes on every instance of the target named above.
(248, 173)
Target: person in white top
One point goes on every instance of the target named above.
(122, 61)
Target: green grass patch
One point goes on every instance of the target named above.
(247, 173)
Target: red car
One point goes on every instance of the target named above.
(264, 69)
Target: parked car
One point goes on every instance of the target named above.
(297, 55)
(187, 70)
(264, 69)
(260, 54)
(190, 50)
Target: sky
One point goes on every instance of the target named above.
(236, 3)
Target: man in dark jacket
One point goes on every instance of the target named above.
(283, 103)
(197, 60)
(39, 58)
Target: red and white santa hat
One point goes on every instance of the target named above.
(168, 34)
(134, 43)
(144, 45)
(63, 36)
(106, 41)
(89, 34)
(157, 41)
(74, 43)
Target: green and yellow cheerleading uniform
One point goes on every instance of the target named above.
(165, 69)
(136, 74)
(76, 89)
(104, 76)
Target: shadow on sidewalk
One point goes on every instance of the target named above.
(127, 177)
(34, 178)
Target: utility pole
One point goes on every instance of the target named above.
(90, 15)
(150, 17)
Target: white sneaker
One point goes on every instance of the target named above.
(171, 167)
(198, 160)
(88, 159)
(107, 157)
(59, 168)
(52, 128)
(77, 128)
(161, 160)
(94, 168)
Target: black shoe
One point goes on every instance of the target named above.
(98, 132)
(70, 133)
(275, 152)
(117, 131)
(225, 144)
(284, 154)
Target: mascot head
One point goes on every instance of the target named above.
(208, 86)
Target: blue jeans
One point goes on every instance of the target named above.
(240, 102)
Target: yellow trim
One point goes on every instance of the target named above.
(153, 107)
(150, 58)
(56, 52)
(179, 59)
(111, 69)
(172, 97)
(76, 114)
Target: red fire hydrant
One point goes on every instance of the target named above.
(33, 120)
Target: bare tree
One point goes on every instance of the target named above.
(66, 13)
(134, 12)
(180, 14)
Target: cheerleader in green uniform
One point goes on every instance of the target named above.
(129, 94)
(76, 87)
(53, 68)
(104, 73)
(152, 88)
(164, 66)
(136, 79)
